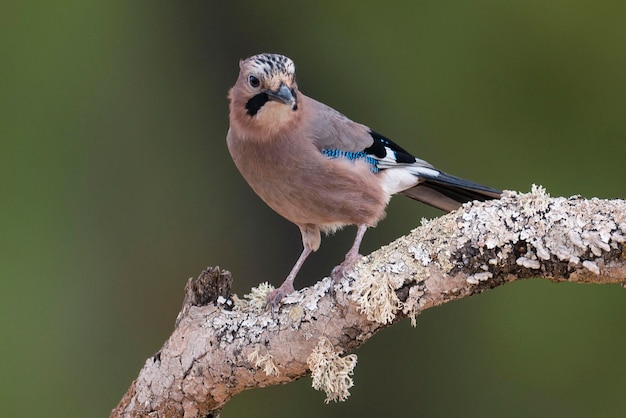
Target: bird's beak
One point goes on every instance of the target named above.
(283, 95)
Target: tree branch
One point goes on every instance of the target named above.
(223, 345)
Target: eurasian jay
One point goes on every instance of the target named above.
(319, 169)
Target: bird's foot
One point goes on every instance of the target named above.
(340, 271)
(275, 296)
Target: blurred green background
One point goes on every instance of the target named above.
(117, 186)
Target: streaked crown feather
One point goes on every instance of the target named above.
(270, 64)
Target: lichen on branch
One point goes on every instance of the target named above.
(330, 371)
(222, 345)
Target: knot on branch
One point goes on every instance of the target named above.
(208, 287)
(211, 286)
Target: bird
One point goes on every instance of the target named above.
(319, 169)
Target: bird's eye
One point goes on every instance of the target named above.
(253, 81)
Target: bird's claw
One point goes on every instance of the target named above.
(275, 296)
(340, 271)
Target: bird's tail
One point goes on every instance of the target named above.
(447, 192)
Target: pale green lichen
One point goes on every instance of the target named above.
(413, 305)
(240, 304)
(479, 277)
(331, 372)
(421, 254)
(256, 299)
(266, 362)
(377, 298)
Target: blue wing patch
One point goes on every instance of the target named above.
(353, 156)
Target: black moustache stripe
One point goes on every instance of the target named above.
(256, 103)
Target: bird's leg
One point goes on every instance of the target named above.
(352, 256)
(275, 296)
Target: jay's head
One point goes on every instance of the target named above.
(265, 94)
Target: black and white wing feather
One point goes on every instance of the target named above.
(403, 173)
